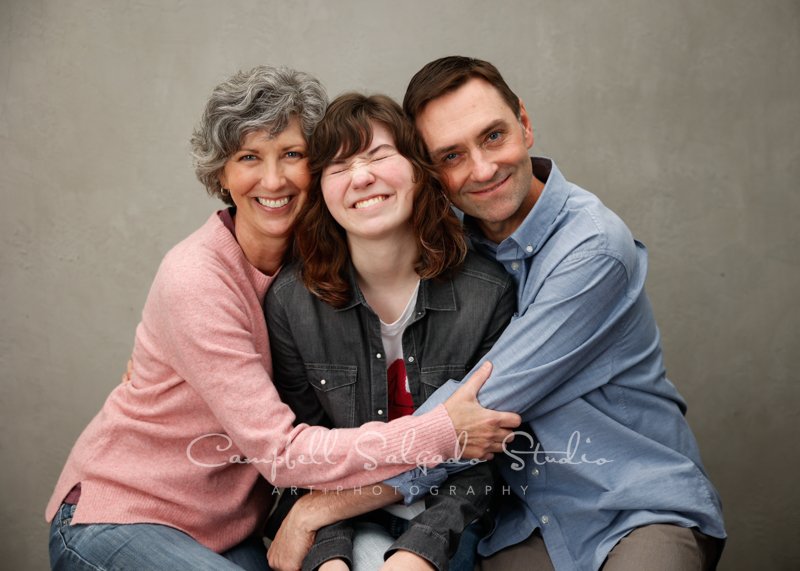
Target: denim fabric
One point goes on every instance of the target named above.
(330, 368)
(371, 540)
(581, 362)
(143, 547)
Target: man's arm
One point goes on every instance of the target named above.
(562, 330)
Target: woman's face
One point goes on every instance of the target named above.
(268, 180)
(371, 194)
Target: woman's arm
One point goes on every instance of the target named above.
(208, 331)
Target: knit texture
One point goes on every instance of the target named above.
(186, 441)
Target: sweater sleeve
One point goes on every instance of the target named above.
(202, 318)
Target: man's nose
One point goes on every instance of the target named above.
(483, 169)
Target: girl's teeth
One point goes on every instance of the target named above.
(369, 202)
(277, 203)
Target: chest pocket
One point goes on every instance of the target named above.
(432, 378)
(334, 386)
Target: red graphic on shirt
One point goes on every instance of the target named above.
(400, 401)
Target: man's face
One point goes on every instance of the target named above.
(481, 150)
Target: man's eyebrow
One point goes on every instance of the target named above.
(443, 150)
(493, 126)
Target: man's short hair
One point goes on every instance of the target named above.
(448, 74)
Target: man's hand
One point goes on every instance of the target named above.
(293, 540)
(480, 431)
(402, 560)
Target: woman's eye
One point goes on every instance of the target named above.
(295, 155)
(449, 157)
(248, 158)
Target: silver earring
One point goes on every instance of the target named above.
(224, 191)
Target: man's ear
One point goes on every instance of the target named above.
(527, 129)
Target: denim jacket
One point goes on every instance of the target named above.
(329, 366)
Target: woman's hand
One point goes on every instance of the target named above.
(481, 431)
(126, 376)
(402, 560)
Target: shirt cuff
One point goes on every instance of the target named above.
(417, 483)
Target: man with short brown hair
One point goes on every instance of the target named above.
(611, 476)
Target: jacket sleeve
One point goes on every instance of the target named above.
(333, 541)
(449, 509)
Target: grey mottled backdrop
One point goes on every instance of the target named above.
(682, 115)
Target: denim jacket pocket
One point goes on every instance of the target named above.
(434, 377)
(335, 389)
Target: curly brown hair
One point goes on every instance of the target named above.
(321, 243)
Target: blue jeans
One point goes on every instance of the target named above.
(142, 546)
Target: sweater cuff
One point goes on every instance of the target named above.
(441, 428)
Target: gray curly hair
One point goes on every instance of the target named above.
(264, 98)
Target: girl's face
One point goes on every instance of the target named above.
(371, 194)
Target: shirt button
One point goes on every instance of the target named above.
(529, 248)
(535, 471)
(411, 359)
(378, 355)
(515, 266)
(380, 412)
(545, 519)
(323, 381)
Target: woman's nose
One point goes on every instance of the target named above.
(271, 177)
(362, 176)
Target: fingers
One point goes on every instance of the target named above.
(508, 419)
(126, 376)
(474, 383)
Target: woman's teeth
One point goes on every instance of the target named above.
(276, 203)
(369, 202)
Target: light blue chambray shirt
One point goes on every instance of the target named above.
(581, 363)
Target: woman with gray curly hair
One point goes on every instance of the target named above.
(175, 470)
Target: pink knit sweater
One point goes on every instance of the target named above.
(185, 442)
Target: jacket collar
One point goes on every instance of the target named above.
(437, 295)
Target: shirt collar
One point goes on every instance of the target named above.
(535, 228)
